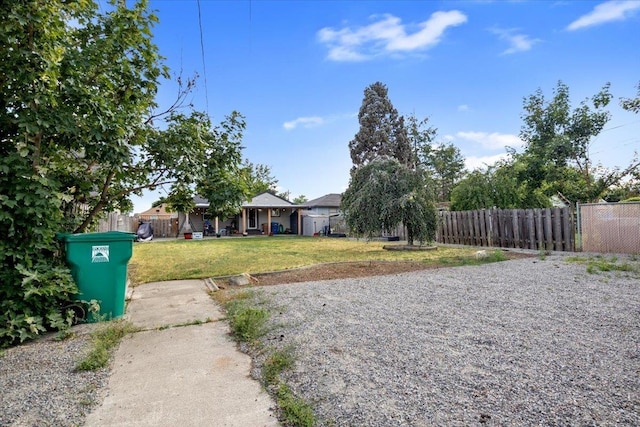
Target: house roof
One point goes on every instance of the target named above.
(262, 200)
(160, 210)
(267, 200)
(331, 200)
(200, 201)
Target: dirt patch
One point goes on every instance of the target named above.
(345, 270)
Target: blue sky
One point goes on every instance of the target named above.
(297, 71)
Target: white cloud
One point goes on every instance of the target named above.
(463, 107)
(307, 122)
(492, 141)
(517, 42)
(613, 10)
(387, 36)
(481, 162)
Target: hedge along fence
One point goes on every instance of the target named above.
(539, 229)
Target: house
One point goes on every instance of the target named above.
(322, 216)
(265, 213)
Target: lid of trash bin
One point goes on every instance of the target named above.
(108, 236)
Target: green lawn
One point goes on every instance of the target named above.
(194, 259)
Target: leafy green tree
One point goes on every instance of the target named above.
(73, 106)
(473, 192)
(300, 199)
(421, 137)
(78, 128)
(446, 165)
(382, 132)
(386, 193)
(632, 104)
(557, 140)
(284, 194)
(444, 162)
(497, 186)
(259, 178)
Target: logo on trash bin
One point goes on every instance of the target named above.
(100, 254)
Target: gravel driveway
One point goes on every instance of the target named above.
(523, 342)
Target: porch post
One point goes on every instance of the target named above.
(244, 220)
(299, 222)
(268, 221)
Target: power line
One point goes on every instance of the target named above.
(204, 64)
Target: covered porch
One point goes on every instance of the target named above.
(265, 214)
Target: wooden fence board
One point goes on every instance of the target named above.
(531, 229)
(551, 229)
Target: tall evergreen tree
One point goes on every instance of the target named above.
(387, 187)
(382, 132)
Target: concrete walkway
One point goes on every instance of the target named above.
(172, 375)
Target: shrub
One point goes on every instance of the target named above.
(41, 300)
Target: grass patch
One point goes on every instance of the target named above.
(104, 340)
(470, 259)
(599, 264)
(196, 259)
(495, 256)
(247, 322)
(277, 362)
(542, 255)
(294, 411)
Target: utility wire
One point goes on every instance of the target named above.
(204, 64)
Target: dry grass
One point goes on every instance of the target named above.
(194, 259)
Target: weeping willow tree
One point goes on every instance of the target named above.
(384, 194)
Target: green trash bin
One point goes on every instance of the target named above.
(98, 263)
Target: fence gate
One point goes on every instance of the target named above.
(610, 227)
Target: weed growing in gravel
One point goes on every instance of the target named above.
(64, 334)
(277, 362)
(295, 411)
(602, 264)
(495, 256)
(247, 322)
(542, 254)
(247, 313)
(104, 340)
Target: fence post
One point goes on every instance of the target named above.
(578, 229)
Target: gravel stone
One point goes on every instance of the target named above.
(40, 387)
(524, 342)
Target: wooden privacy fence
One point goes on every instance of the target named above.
(114, 221)
(539, 229)
(117, 222)
(164, 227)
